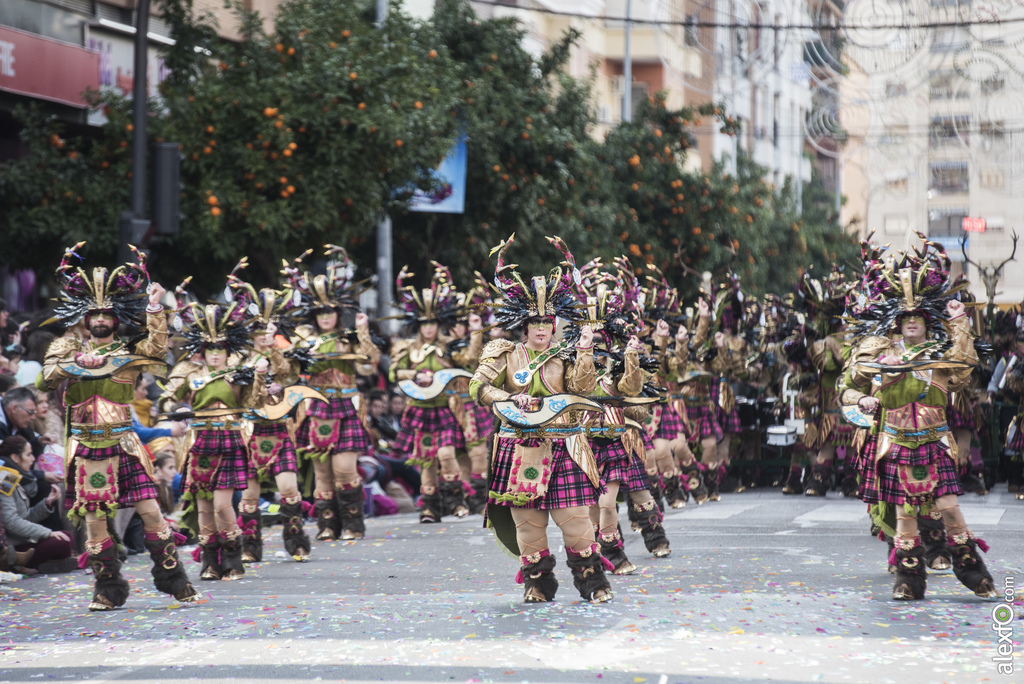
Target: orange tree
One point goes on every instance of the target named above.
(289, 138)
(527, 126)
(687, 223)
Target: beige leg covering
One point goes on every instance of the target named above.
(324, 479)
(224, 512)
(681, 450)
(344, 470)
(608, 517)
(95, 528)
(577, 530)
(250, 497)
(448, 465)
(826, 454)
(478, 457)
(531, 530)
(666, 462)
(709, 445)
(906, 526)
(949, 508)
(287, 485)
(207, 523)
(963, 446)
(152, 518)
(428, 478)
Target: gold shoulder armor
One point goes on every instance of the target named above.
(62, 346)
(870, 348)
(400, 349)
(496, 348)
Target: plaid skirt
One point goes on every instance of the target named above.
(217, 460)
(616, 465)
(671, 425)
(1016, 444)
(438, 422)
(885, 478)
(703, 423)
(271, 450)
(133, 483)
(484, 419)
(730, 422)
(957, 420)
(568, 485)
(332, 427)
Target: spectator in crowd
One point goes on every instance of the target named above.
(7, 383)
(19, 412)
(51, 549)
(36, 346)
(142, 406)
(381, 421)
(396, 405)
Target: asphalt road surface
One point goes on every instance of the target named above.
(759, 587)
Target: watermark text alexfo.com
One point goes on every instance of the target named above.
(1002, 625)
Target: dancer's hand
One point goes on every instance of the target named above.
(868, 404)
(661, 329)
(586, 337)
(424, 377)
(362, 320)
(522, 400)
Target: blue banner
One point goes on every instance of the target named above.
(450, 198)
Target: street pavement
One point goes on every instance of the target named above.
(759, 587)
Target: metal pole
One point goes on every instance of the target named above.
(627, 68)
(140, 92)
(385, 265)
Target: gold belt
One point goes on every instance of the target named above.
(917, 435)
(96, 431)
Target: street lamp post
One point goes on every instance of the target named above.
(133, 224)
(385, 266)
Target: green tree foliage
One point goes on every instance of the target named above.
(289, 139)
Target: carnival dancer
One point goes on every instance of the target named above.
(107, 464)
(1013, 379)
(825, 302)
(465, 342)
(218, 387)
(700, 389)
(334, 434)
(676, 466)
(429, 432)
(537, 472)
(271, 448)
(616, 435)
(730, 366)
(914, 467)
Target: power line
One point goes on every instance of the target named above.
(821, 26)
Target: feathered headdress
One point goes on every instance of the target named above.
(478, 298)
(121, 291)
(268, 305)
(661, 300)
(228, 324)
(550, 297)
(610, 300)
(440, 303)
(333, 290)
(916, 281)
(824, 301)
(728, 304)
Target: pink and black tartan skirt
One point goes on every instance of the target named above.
(616, 465)
(485, 420)
(703, 423)
(437, 421)
(671, 425)
(730, 422)
(957, 420)
(567, 487)
(332, 427)
(233, 469)
(271, 448)
(1016, 444)
(883, 484)
(133, 483)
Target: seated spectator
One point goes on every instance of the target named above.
(7, 383)
(50, 550)
(36, 346)
(19, 413)
(142, 406)
(380, 421)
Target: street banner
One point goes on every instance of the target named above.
(450, 198)
(27, 68)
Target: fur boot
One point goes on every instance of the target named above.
(911, 582)
(231, 555)
(328, 522)
(652, 530)
(821, 480)
(350, 507)
(692, 480)
(453, 498)
(477, 501)
(209, 550)
(793, 484)
(968, 566)
(251, 525)
(430, 507)
(588, 574)
(110, 589)
(614, 550)
(675, 492)
(168, 573)
(538, 576)
(296, 543)
(933, 535)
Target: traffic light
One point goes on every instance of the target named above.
(166, 188)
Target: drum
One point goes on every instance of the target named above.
(766, 411)
(781, 435)
(747, 411)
